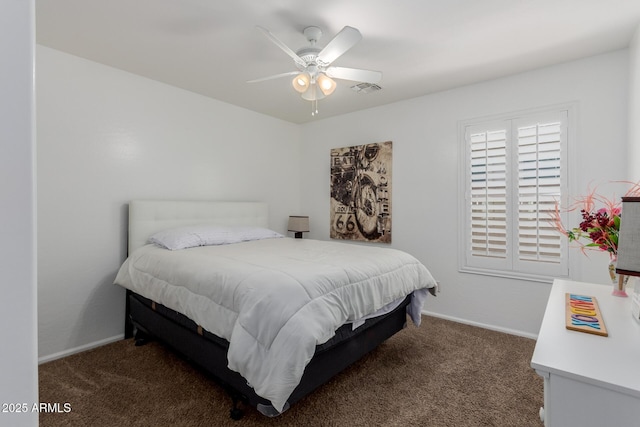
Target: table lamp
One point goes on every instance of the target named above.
(298, 224)
(628, 262)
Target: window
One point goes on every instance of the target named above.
(516, 170)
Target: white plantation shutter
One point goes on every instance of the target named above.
(539, 185)
(516, 172)
(488, 193)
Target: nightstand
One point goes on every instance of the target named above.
(589, 380)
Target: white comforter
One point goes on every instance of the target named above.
(274, 300)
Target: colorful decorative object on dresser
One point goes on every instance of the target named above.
(361, 192)
(600, 226)
(583, 315)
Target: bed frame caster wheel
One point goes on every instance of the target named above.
(140, 338)
(236, 414)
(141, 341)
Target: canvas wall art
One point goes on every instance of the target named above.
(361, 192)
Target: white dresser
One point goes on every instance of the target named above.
(589, 380)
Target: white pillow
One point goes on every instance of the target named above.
(206, 235)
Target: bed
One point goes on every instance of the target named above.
(269, 317)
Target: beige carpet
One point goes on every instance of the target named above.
(441, 374)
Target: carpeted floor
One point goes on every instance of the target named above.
(441, 374)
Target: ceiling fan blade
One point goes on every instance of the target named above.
(342, 42)
(355, 74)
(276, 76)
(283, 46)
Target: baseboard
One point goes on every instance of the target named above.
(80, 349)
(69, 352)
(483, 325)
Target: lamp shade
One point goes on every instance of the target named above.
(326, 84)
(628, 262)
(299, 223)
(312, 94)
(301, 82)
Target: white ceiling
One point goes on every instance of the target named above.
(212, 47)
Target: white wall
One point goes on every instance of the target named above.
(18, 352)
(426, 171)
(105, 137)
(633, 159)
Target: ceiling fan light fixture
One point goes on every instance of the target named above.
(327, 84)
(301, 82)
(312, 94)
(314, 78)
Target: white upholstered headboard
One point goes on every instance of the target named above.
(149, 216)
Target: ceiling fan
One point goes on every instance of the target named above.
(313, 79)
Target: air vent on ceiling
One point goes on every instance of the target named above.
(366, 87)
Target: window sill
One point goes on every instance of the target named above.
(510, 274)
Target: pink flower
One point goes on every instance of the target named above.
(600, 226)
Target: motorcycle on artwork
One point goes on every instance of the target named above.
(360, 202)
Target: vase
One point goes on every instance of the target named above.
(619, 281)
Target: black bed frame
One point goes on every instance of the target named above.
(146, 319)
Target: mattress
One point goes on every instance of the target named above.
(275, 300)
